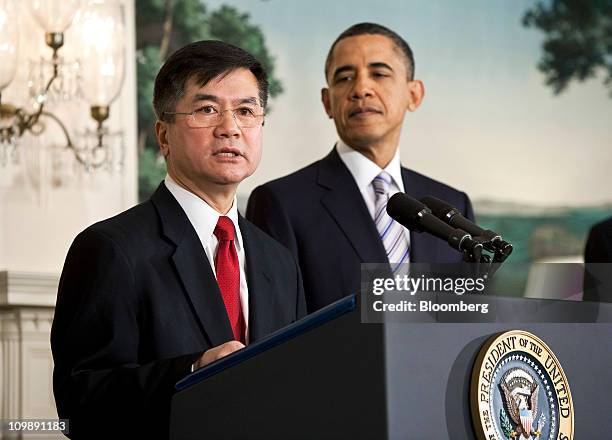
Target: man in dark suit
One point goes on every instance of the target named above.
(331, 214)
(598, 247)
(598, 263)
(182, 279)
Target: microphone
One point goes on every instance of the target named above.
(415, 216)
(451, 215)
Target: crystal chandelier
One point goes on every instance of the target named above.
(98, 74)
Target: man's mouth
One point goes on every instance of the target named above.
(363, 111)
(228, 152)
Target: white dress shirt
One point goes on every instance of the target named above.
(364, 171)
(204, 219)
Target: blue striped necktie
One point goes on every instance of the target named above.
(391, 232)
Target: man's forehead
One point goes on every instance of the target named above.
(368, 48)
(231, 85)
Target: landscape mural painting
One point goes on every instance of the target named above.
(516, 113)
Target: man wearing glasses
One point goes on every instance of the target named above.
(331, 214)
(182, 279)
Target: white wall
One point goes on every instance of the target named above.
(45, 200)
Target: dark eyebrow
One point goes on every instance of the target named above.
(206, 97)
(379, 65)
(351, 68)
(342, 69)
(251, 100)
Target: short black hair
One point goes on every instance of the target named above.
(204, 61)
(375, 29)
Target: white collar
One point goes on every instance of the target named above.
(364, 170)
(202, 216)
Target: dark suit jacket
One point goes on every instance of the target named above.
(598, 247)
(319, 214)
(598, 259)
(138, 303)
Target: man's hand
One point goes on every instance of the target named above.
(218, 352)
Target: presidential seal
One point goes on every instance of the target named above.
(519, 391)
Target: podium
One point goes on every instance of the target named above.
(344, 379)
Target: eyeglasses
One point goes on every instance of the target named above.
(210, 116)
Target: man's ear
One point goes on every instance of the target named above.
(161, 133)
(416, 93)
(325, 101)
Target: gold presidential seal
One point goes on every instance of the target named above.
(519, 391)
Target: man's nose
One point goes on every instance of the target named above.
(362, 88)
(228, 127)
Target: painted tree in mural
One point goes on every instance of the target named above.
(162, 27)
(578, 40)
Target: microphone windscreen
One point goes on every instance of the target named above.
(405, 210)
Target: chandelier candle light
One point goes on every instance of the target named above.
(101, 38)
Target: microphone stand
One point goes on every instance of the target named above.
(483, 264)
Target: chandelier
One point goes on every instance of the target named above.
(96, 76)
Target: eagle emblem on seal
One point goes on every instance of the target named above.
(520, 395)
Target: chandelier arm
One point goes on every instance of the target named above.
(73, 147)
(33, 118)
(50, 115)
(69, 143)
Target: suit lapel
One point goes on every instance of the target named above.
(193, 268)
(345, 204)
(423, 248)
(258, 279)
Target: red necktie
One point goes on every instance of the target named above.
(228, 275)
